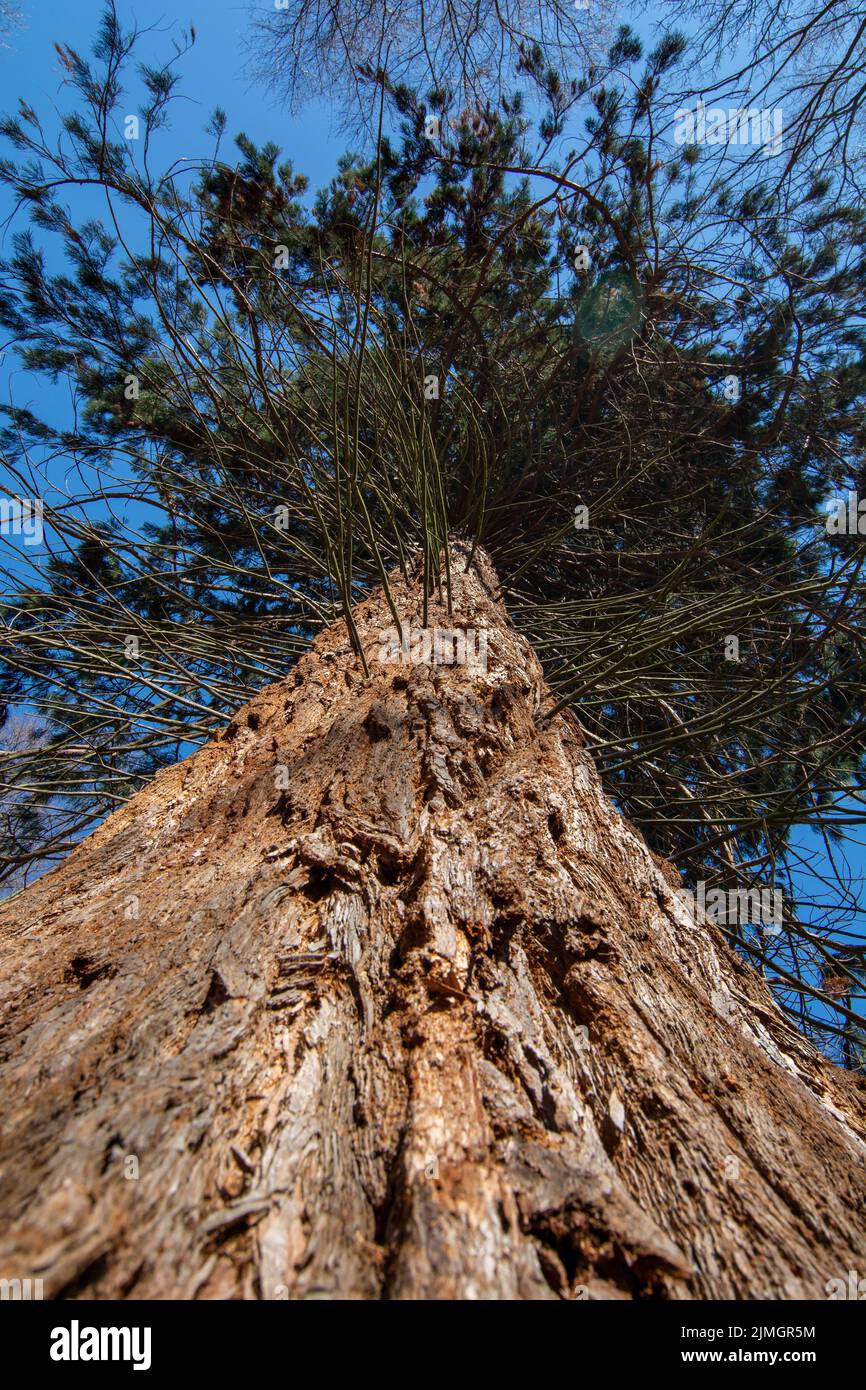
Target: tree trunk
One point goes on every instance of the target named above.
(377, 996)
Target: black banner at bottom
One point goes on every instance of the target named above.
(84, 1339)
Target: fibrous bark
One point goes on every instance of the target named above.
(376, 996)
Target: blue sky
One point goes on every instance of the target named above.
(212, 73)
(216, 71)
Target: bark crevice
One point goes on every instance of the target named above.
(424, 1018)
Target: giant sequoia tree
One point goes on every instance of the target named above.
(469, 520)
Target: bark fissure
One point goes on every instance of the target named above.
(424, 1018)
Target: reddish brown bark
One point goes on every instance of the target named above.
(428, 1021)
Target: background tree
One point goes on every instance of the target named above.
(804, 56)
(9, 16)
(471, 48)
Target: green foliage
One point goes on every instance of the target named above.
(276, 406)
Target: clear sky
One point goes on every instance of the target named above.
(212, 74)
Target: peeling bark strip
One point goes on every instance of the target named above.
(426, 1022)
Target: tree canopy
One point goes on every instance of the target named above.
(532, 324)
